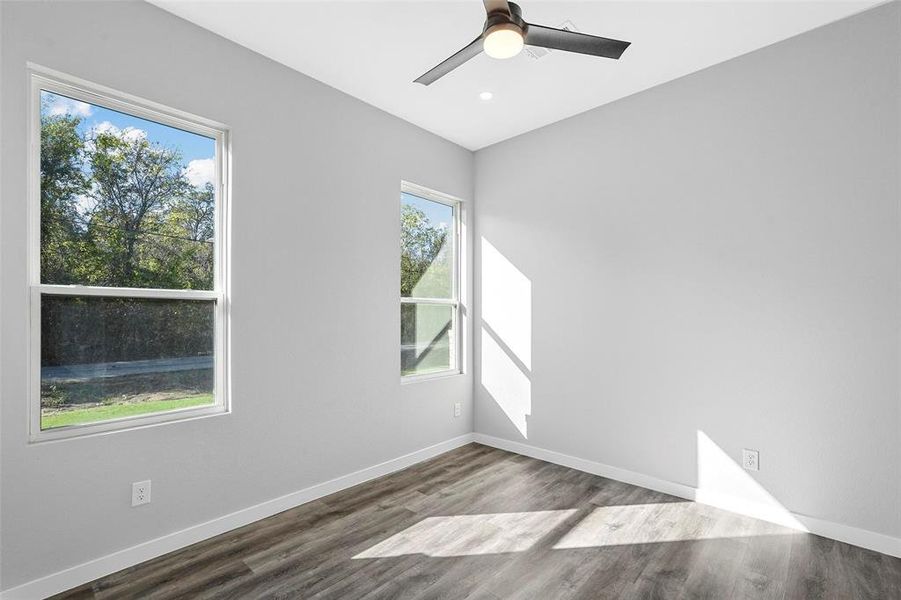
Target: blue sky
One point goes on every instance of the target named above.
(198, 152)
(436, 212)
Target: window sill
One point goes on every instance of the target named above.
(126, 424)
(408, 379)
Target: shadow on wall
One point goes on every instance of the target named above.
(506, 336)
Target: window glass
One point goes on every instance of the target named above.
(127, 292)
(428, 290)
(427, 334)
(427, 248)
(106, 358)
(125, 202)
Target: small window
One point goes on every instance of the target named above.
(127, 289)
(429, 290)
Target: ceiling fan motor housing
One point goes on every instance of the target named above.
(500, 19)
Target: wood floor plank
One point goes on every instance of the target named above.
(479, 523)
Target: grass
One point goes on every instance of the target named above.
(148, 387)
(78, 416)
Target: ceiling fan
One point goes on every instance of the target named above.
(505, 33)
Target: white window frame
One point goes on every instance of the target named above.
(455, 301)
(41, 78)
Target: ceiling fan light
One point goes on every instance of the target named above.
(503, 41)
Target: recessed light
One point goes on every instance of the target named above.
(486, 95)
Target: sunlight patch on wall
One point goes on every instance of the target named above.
(661, 522)
(507, 302)
(723, 483)
(510, 388)
(506, 336)
(470, 535)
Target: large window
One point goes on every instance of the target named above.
(128, 311)
(429, 290)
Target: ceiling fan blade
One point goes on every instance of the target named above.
(442, 69)
(496, 6)
(571, 41)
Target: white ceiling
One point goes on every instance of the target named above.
(374, 49)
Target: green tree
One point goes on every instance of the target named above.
(184, 259)
(63, 182)
(135, 184)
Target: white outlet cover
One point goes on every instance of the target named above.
(140, 493)
(458, 409)
(750, 459)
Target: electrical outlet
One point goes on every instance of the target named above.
(458, 409)
(750, 459)
(140, 493)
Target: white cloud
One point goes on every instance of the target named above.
(200, 171)
(105, 127)
(67, 106)
(131, 134)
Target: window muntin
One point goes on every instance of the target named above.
(127, 302)
(429, 283)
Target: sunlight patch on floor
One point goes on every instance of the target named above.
(663, 522)
(470, 535)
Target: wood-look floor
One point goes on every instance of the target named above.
(482, 523)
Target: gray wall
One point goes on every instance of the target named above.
(315, 358)
(719, 254)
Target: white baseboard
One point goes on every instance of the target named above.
(100, 567)
(836, 531)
